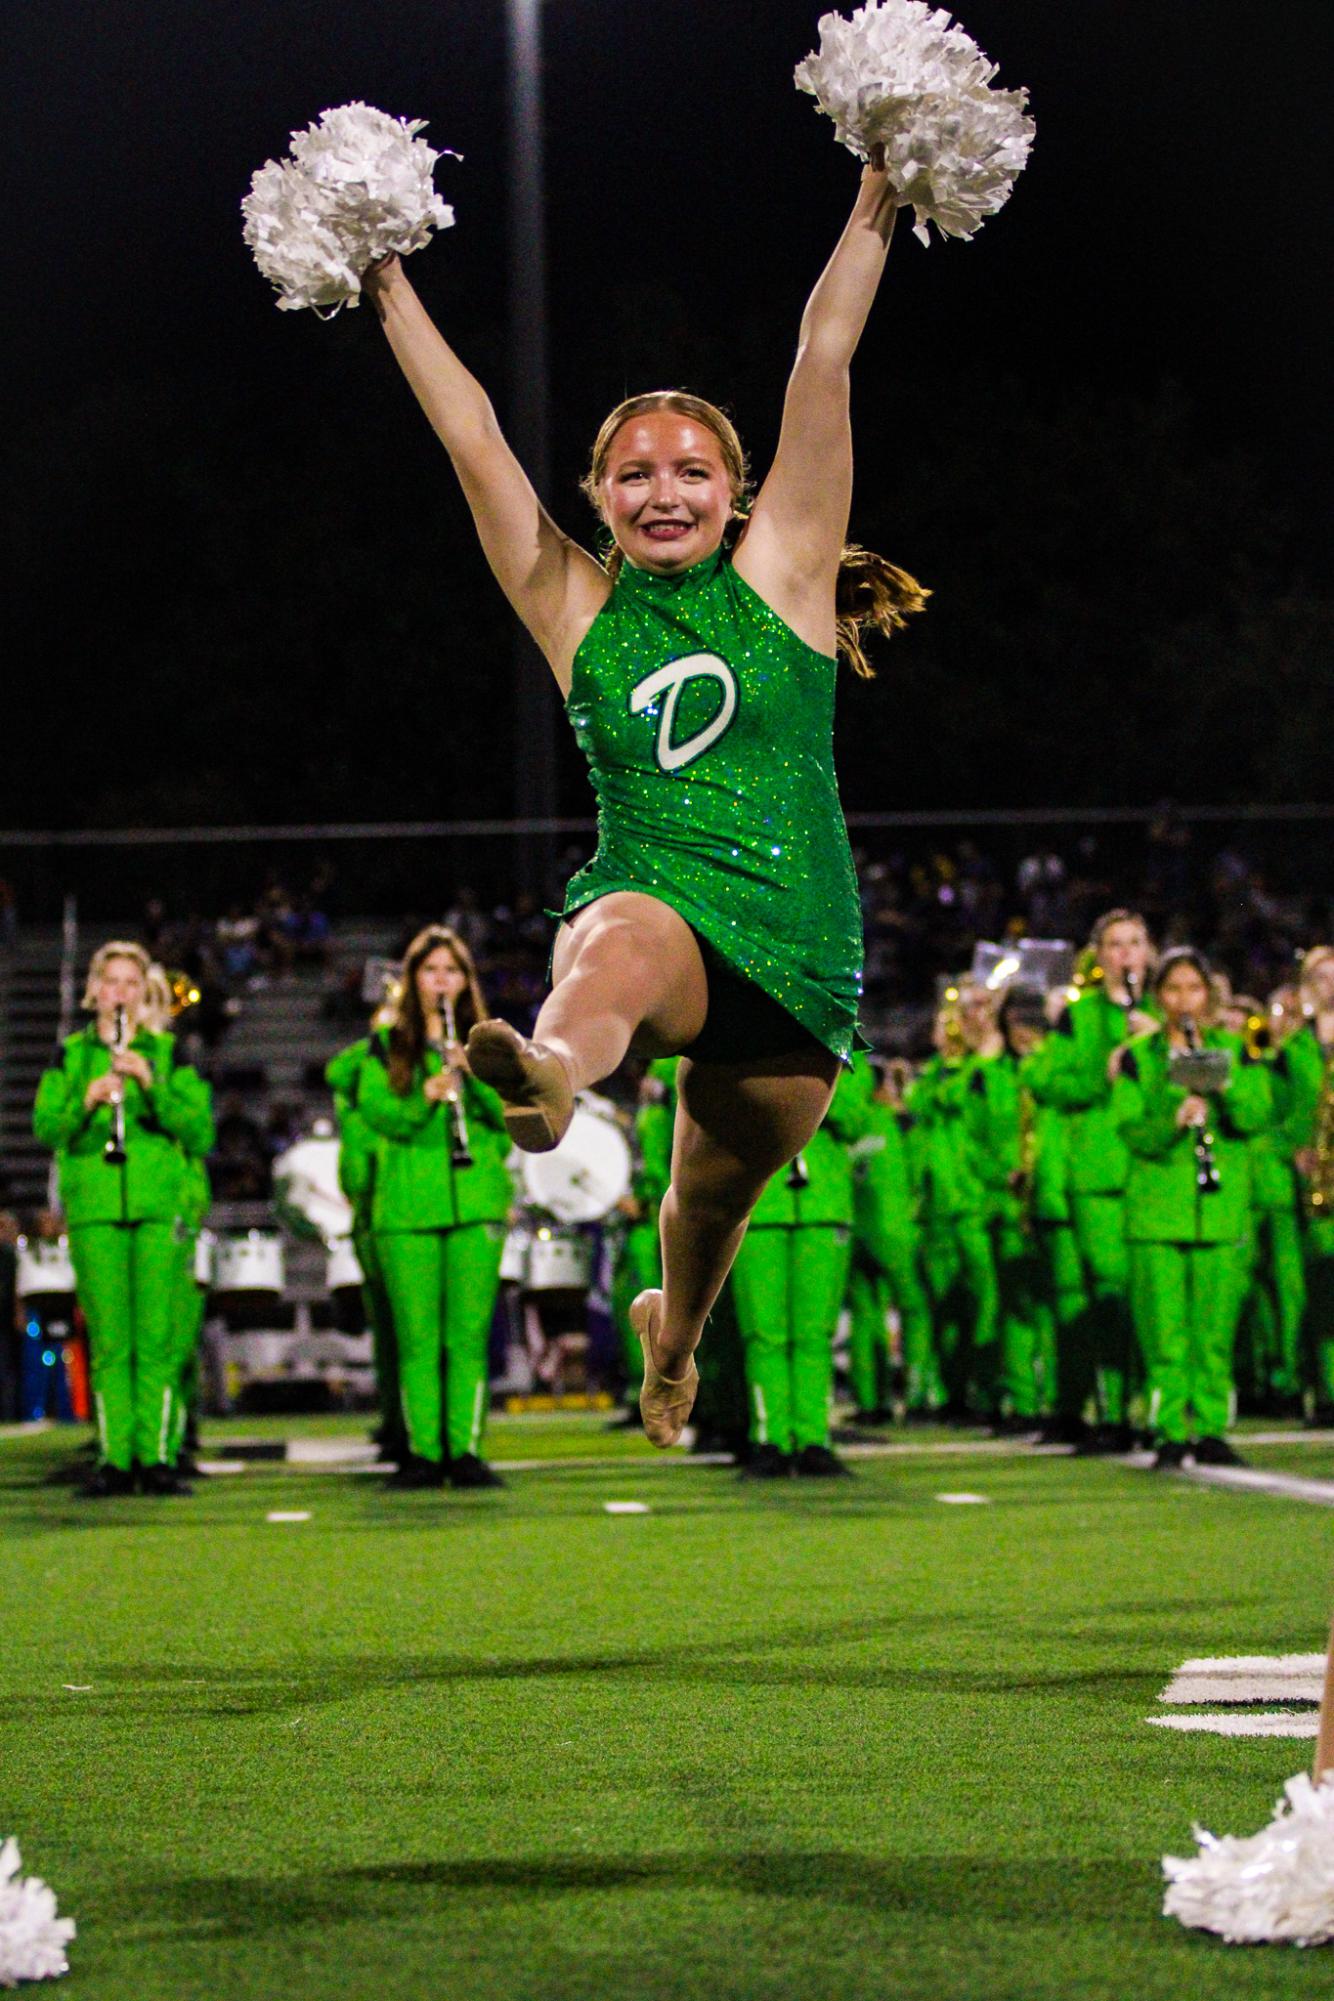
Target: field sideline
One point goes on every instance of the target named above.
(815, 1741)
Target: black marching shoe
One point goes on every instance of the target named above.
(767, 1462)
(105, 1482)
(1170, 1454)
(1105, 1440)
(413, 1471)
(1216, 1452)
(1062, 1431)
(162, 1480)
(470, 1471)
(817, 1462)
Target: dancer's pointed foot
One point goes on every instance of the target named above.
(665, 1402)
(532, 1080)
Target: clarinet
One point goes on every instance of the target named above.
(113, 1153)
(1206, 1167)
(460, 1154)
(799, 1175)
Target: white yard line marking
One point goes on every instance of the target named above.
(288, 1515)
(1279, 1723)
(1250, 1480)
(1249, 1678)
(626, 1507)
(220, 1469)
(965, 1500)
(330, 1451)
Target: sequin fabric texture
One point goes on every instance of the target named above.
(708, 729)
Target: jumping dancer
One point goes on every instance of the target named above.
(719, 917)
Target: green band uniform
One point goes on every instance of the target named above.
(1183, 1242)
(358, 1152)
(439, 1232)
(126, 1224)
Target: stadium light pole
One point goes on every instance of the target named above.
(530, 421)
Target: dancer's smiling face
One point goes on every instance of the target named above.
(665, 494)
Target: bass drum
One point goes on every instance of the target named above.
(559, 1261)
(588, 1173)
(44, 1268)
(306, 1192)
(249, 1272)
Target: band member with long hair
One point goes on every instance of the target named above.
(1188, 1209)
(719, 917)
(1077, 1080)
(121, 1115)
(442, 1194)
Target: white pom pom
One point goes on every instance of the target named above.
(32, 1937)
(1277, 1885)
(898, 75)
(358, 186)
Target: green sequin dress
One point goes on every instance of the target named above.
(708, 729)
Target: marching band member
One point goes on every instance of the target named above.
(121, 1115)
(1000, 1124)
(358, 1152)
(1078, 1080)
(162, 1005)
(1307, 1063)
(1187, 1209)
(885, 1271)
(1070, 1386)
(956, 1249)
(788, 1282)
(441, 1198)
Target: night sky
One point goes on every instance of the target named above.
(244, 585)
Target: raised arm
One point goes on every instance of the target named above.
(555, 586)
(790, 550)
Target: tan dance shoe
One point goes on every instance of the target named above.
(532, 1081)
(665, 1402)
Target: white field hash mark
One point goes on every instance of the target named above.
(1250, 1678)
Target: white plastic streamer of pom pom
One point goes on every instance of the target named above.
(357, 186)
(32, 1937)
(1275, 1886)
(899, 75)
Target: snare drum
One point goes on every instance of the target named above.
(206, 1245)
(249, 1262)
(44, 1267)
(559, 1261)
(514, 1257)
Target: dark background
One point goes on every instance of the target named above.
(243, 586)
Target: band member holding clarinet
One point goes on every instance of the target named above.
(122, 1115)
(442, 1195)
(1185, 1100)
(1077, 1079)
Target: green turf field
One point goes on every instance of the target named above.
(798, 1741)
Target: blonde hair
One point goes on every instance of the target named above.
(871, 594)
(116, 948)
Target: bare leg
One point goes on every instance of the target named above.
(627, 970)
(736, 1125)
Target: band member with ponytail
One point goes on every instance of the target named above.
(719, 918)
(442, 1194)
(1077, 1079)
(121, 1115)
(1188, 1209)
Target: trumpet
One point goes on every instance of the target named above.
(460, 1154)
(113, 1153)
(1207, 1180)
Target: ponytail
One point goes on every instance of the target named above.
(872, 594)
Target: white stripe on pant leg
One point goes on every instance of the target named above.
(478, 1411)
(1154, 1401)
(164, 1430)
(761, 1415)
(101, 1423)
